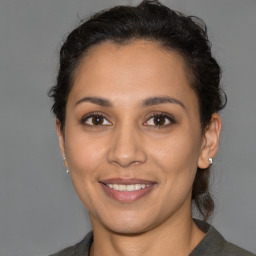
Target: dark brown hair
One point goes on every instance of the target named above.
(155, 22)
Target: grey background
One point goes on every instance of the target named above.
(39, 210)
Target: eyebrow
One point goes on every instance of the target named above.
(161, 100)
(96, 100)
(146, 103)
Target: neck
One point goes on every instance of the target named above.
(176, 236)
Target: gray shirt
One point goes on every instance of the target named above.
(213, 244)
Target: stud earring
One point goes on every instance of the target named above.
(210, 161)
(67, 170)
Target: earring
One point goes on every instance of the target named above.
(67, 170)
(210, 161)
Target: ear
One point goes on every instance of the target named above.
(61, 141)
(210, 141)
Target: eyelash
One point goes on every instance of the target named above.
(167, 117)
(91, 115)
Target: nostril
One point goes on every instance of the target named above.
(126, 147)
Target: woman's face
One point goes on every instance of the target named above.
(132, 136)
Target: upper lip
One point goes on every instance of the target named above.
(127, 181)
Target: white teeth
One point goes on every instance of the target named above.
(121, 187)
(137, 186)
(115, 186)
(131, 187)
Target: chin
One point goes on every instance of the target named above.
(128, 224)
(129, 229)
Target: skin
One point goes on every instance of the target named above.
(129, 144)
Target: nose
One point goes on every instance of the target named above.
(126, 147)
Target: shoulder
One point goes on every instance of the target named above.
(214, 244)
(232, 249)
(80, 249)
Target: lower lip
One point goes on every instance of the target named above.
(126, 196)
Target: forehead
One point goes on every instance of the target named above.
(144, 67)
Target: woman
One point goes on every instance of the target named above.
(136, 103)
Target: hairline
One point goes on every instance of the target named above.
(190, 76)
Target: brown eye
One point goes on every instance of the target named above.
(159, 120)
(96, 120)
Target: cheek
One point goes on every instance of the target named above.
(85, 157)
(176, 158)
(178, 151)
(84, 153)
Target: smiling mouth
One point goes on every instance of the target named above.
(128, 188)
